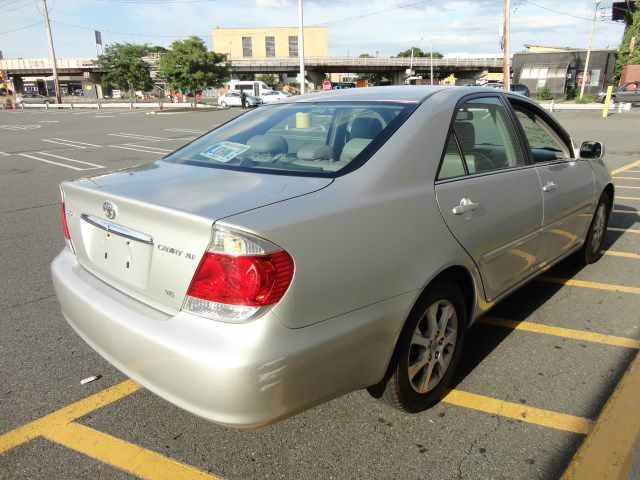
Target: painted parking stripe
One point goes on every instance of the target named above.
(631, 212)
(51, 162)
(621, 254)
(628, 230)
(76, 141)
(71, 160)
(523, 413)
(627, 186)
(29, 431)
(137, 149)
(595, 285)
(134, 135)
(611, 449)
(146, 147)
(627, 198)
(119, 453)
(629, 178)
(624, 168)
(4, 154)
(186, 130)
(562, 332)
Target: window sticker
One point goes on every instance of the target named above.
(224, 151)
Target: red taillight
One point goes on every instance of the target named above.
(249, 280)
(65, 227)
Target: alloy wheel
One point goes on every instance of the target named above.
(599, 226)
(432, 346)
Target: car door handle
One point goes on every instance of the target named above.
(549, 187)
(466, 205)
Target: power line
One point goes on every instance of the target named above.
(18, 7)
(568, 14)
(21, 28)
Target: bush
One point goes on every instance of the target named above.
(571, 94)
(590, 97)
(545, 94)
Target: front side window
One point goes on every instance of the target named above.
(314, 139)
(546, 145)
(293, 46)
(247, 49)
(486, 136)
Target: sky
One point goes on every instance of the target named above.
(382, 27)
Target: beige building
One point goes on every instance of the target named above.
(269, 42)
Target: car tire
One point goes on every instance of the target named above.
(591, 251)
(223, 104)
(426, 356)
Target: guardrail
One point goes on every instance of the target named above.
(552, 106)
(388, 62)
(129, 105)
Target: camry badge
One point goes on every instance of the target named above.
(110, 210)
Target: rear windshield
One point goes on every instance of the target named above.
(323, 139)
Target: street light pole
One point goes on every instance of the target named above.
(586, 62)
(431, 48)
(54, 63)
(506, 69)
(301, 47)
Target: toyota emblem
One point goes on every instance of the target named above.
(110, 210)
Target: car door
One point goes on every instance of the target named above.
(567, 183)
(488, 195)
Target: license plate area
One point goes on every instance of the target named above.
(117, 251)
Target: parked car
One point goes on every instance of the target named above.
(232, 99)
(265, 267)
(32, 98)
(629, 92)
(519, 88)
(273, 96)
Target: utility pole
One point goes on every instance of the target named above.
(301, 47)
(586, 62)
(54, 64)
(506, 69)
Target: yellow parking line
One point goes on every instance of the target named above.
(621, 254)
(627, 198)
(67, 414)
(624, 168)
(596, 285)
(537, 416)
(121, 454)
(562, 332)
(626, 186)
(629, 230)
(629, 178)
(632, 212)
(610, 450)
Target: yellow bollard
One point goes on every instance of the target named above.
(607, 101)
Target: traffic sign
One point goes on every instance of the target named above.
(583, 76)
(326, 86)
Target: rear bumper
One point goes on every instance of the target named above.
(241, 375)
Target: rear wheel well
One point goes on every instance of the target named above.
(462, 278)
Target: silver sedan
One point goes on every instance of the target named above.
(324, 244)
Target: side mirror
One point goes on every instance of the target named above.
(592, 150)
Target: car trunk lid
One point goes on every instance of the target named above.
(144, 230)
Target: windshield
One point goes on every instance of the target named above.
(314, 139)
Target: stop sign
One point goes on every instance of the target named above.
(583, 77)
(326, 86)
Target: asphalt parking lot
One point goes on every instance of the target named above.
(536, 374)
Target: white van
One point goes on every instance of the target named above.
(252, 87)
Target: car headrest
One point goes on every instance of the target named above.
(365, 127)
(352, 148)
(268, 144)
(466, 135)
(315, 152)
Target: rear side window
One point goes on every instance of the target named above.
(486, 136)
(452, 164)
(546, 144)
(313, 139)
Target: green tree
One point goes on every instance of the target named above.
(625, 55)
(125, 68)
(418, 52)
(188, 65)
(266, 79)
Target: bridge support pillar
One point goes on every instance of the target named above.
(91, 86)
(315, 78)
(18, 84)
(397, 77)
